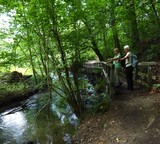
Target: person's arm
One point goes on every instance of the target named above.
(114, 59)
(125, 57)
(117, 58)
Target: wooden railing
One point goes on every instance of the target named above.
(148, 66)
(108, 72)
(107, 69)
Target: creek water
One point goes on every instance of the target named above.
(39, 120)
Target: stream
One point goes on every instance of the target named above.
(45, 119)
(38, 120)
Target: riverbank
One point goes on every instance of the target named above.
(11, 92)
(37, 119)
(131, 119)
(20, 92)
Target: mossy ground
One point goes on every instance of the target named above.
(11, 92)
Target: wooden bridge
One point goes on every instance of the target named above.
(108, 72)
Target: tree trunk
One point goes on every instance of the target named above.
(95, 49)
(104, 40)
(93, 41)
(134, 29)
(74, 99)
(156, 18)
(114, 28)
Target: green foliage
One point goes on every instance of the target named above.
(9, 89)
(51, 36)
(100, 85)
(77, 22)
(13, 90)
(156, 85)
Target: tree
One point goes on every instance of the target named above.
(57, 36)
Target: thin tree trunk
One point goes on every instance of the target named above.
(30, 50)
(114, 28)
(134, 28)
(156, 19)
(93, 41)
(104, 40)
(77, 105)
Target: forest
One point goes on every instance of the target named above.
(53, 38)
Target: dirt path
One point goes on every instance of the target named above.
(131, 119)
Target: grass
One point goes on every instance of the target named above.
(11, 92)
(9, 89)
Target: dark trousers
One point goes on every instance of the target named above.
(129, 77)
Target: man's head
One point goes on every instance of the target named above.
(126, 48)
(115, 50)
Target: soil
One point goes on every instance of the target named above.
(133, 118)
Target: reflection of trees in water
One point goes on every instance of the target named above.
(48, 126)
(45, 123)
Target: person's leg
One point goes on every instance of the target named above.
(116, 77)
(130, 78)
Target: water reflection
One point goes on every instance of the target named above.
(37, 121)
(13, 127)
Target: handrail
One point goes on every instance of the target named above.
(149, 70)
(147, 63)
(107, 69)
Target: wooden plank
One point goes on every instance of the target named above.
(109, 85)
(98, 63)
(147, 63)
(94, 62)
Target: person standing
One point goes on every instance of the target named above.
(117, 66)
(128, 67)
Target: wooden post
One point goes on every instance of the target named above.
(149, 79)
(136, 73)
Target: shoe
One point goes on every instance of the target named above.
(130, 89)
(120, 83)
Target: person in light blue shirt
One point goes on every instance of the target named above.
(117, 66)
